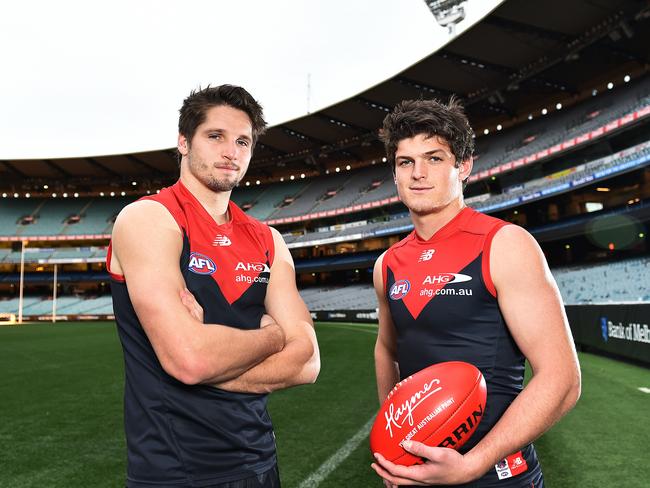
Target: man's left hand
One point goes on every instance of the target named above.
(442, 466)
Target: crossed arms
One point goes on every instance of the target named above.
(283, 352)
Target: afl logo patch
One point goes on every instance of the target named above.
(399, 289)
(201, 264)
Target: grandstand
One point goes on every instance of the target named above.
(561, 149)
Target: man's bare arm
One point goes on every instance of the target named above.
(147, 244)
(299, 362)
(532, 307)
(386, 368)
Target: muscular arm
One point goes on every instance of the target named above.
(299, 362)
(386, 368)
(533, 310)
(147, 245)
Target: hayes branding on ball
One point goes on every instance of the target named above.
(439, 406)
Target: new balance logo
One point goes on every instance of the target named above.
(426, 255)
(221, 241)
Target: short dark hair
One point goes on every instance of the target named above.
(410, 118)
(196, 105)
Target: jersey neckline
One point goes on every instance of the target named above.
(200, 210)
(446, 230)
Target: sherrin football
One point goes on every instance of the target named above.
(440, 405)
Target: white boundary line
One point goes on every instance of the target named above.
(364, 328)
(337, 458)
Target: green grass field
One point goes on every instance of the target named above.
(61, 415)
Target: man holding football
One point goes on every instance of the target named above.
(464, 286)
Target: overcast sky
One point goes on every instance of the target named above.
(89, 78)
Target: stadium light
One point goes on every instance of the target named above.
(248, 183)
(544, 111)
(292, 177)
(281, 178)
(112, 193)
(447, 13)
(567, 246)
(594, 92)
(123, 193)
(65, 195)
(641, 235)
(27, 195)
(530, 116)
(610, 85)
(45, 187)
(558, 106)
(499, 127)
(76, 195)
(383, 160)
(626, 78)
(4, 195)
(133, 183)
(348, 167)
(257, 182)
(53, 195)
(338, 169)
(16, 195)
(302, 175)
(486, 131)
(101, 193)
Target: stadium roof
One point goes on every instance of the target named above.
(519, 59)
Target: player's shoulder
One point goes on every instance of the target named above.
(379, 261)
(402, 243)
(385, 257)
(143, 211)
(513, 237)
(480, 223)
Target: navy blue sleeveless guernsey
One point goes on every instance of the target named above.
(198, 436)
(443, 304)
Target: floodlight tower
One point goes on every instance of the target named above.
(448, 13)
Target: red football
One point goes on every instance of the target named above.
(439, 406)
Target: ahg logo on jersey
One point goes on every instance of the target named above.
(445, 278)
(201, 264)
(256, 268)
(253, 267)
(399, 289)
